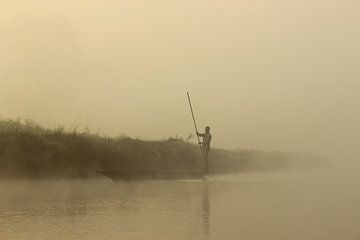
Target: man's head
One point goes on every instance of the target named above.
(207, 129)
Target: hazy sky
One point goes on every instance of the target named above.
(272, 75)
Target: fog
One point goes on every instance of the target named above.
(269, 75)
(321, 204)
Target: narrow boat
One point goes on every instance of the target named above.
(143, 175)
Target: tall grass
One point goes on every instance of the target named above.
(30, 150)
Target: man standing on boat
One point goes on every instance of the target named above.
(205, 146)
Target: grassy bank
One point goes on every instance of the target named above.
(32, 151)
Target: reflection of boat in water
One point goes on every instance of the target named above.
(141, 175)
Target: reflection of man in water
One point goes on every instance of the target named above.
(205, 146)
(206, 212)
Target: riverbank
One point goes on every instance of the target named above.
(28, 150)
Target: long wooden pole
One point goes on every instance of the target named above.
(192, 113)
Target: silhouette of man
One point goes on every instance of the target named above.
(205, 146)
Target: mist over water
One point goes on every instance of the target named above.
(268, 75)
(314, 204)
(279, 75)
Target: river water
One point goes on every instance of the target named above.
(289, 205)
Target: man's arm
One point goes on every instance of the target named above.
(200, 134)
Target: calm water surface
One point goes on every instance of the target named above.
(308, 205)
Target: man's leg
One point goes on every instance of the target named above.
(206, 161)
